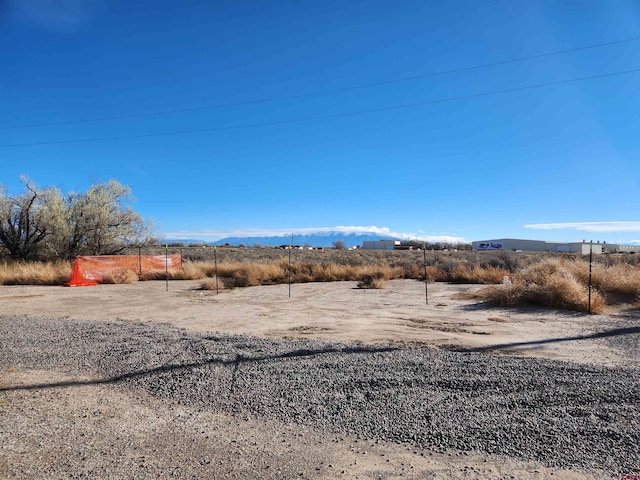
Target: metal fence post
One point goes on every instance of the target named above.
(426, 277)
(166, 265)
(590, 260)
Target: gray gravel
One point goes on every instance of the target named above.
(559, 413)
(629, 342)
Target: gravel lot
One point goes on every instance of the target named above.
(557, 413)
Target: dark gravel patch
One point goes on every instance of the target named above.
(559, 413)
(629, 343)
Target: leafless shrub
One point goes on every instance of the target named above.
(372, 281)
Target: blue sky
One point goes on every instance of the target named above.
(258, 116)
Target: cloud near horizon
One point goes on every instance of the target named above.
(588, 226)
(284, 232)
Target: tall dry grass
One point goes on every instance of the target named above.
(34, 273)
(564, 283)
(470, 274)
(618, 282)
(189, 271)
(551, 280)
(120, 276)
(236, 274)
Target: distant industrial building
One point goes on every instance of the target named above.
(380, 244)
(514, 244)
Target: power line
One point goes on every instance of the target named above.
(319, 92)
(330, 116)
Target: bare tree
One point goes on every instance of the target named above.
(43, 223)
(24, 222)
(98, 222)
(339, 245)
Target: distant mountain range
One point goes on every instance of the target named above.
(324, 239)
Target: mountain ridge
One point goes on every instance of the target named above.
(320, 239)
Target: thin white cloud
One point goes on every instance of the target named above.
(213, 235)
(588, 226)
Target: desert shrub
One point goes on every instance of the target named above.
(540, 279)
(619, 282)
(476, 274)
(195, 271)
(303, 272)
(509, 261)
(354, 259)
(209, 284)
(228, 282)
(246, 276)
(435, 274)
(413, 272)
(501, 295)
(554, 283)
(370, 281)
(376, 276)
(328, 272)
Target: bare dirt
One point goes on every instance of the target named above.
(107, 431)
(336, 311)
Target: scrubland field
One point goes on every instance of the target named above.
(357, 370)
(549, 280)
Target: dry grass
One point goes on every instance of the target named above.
(34, 273)
(555, 283)
(548, 280)
(471, 274)
(497, 319)
(373, 281)
(123, 276)
(189, 271)
(209, 284)
(620, 282)
(238, 274)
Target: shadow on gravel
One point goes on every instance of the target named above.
(604, 334)
(239, 359)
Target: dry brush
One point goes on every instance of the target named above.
(554, 281)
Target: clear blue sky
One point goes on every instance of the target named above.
(558, 162)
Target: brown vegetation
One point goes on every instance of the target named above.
(564, 283)
(549, 280)
(374, 280)
(121, 276)
(34, 273)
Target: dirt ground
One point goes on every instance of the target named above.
(335, 311)
(105, 420)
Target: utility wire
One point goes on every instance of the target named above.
(329, 116)
(319, 92)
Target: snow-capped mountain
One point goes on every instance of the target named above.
(323, 239)
(313, 239)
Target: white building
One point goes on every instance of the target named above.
(619, 248)
(514, 244)
(380, 244)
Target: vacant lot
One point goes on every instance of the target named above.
(126, 381)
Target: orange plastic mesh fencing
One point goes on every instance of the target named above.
(89, 271)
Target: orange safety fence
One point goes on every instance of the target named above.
(89, 271)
